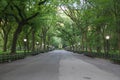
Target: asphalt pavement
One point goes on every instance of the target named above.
(59, 65)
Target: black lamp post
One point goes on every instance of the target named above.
(79, 46)
(37, 43)
(25, 40)
(107, 45)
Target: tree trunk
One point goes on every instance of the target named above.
(20, 46)
(119, 41)
(118, 33)
(85, 40)
(5, 43)
(98, 45)
(82, 46)
(5, 38)
(33, 40)
(104, 45)
(15, 38)
(27, 45)
(41, 43)
(44, 41)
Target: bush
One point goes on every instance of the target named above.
(117, 61)
(89, 54)
(34, 53)
(43, 51)
(9, 57)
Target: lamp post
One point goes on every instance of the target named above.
(37, 43)
(79, 46)
(107, 45)
(42, 46)
(25, 40)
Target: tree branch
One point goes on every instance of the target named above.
(16, 18)
(6, 7)
(42, 2)
(31, 17)
(19, 11)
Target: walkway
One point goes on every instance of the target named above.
(60, 65)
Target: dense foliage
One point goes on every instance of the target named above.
(81, 24)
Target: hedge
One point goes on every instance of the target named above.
(117, 61)
(11, 57)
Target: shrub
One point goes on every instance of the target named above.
(34, 53)
(9, 57)
(89, 54)
(115, 60)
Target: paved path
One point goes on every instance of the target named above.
(59, 65)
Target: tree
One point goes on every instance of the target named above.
(6, 28)
(19, 15)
